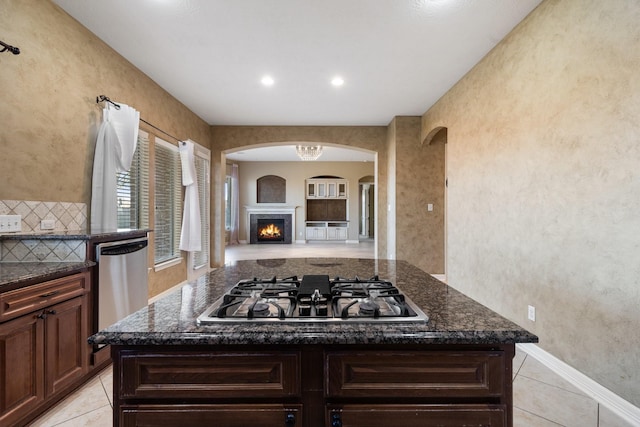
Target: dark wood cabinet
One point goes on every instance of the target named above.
(66, 344)
(21, 367)
(236, 415)
(43, 345)
(313, 386)
(417, 415)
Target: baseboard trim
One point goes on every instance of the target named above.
(616, 404)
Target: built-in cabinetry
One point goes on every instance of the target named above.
(43, 344)
(321, 188)
(313, 386)
(327, 209)
(327, 230)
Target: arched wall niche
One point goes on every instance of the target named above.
(435, 132)
(271, 189)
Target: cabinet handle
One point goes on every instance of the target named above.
(42, 315)
(290, 420)
(336, 420)
(49, 294)
(50, 312)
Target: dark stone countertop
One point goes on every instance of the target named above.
(76, 235)
(14, 275)
(453, 317)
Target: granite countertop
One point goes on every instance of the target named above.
(15, 275)
(75, 235)
(453, 317)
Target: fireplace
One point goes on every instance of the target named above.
(270, 230)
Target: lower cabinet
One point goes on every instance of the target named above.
(417, 415)
(211, 415)
(319, 230)
(66, 338)
(313, 386)
(21, 367)
(43, 352)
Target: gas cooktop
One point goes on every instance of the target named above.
(314, 298)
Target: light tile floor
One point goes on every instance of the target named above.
(541, 398)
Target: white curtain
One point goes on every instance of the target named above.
(235, 206)
(190, 236)
(115, 146)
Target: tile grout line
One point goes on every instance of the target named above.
(558, 387)
(539, 416)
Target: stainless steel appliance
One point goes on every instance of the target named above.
(315, 298)
(122, 279)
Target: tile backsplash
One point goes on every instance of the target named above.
(34, 250)
(67, 216)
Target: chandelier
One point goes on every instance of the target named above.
(308, 152)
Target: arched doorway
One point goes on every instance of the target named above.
(437, 139)
(367, 204)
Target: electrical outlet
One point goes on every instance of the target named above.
(531, 314)
(430, 207)
(10, 223)
(47, 224)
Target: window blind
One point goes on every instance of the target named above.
(168, 201)
(133, 189)
(201, 258)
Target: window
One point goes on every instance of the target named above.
(227, 203)
(202, 160)
(133, 189)
(168, 201)
(135, 198)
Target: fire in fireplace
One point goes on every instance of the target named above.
(270, 230)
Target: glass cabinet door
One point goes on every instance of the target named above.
(322, 189)
(331, 189)
(342, 189)
(311, 189)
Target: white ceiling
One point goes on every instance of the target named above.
(288, 154)
(397, 57)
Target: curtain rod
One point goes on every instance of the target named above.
(160, 130)
(103, 98)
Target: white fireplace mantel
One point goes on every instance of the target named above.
(272, 209)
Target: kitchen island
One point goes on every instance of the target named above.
(453, 370)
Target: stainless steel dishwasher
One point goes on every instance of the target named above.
(122, 279)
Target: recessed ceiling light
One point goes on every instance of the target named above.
(337, 81)
(267, 81)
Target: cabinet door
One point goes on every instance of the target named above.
(342, 190)
(417, 415)
(332, 189)
(66, 337)
(21, 367)
(311, 190)
(336, 233)
(274, 415)
(316, 233)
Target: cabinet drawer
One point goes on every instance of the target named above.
(417, 415)
(26, 300)
(209, 375)
(210, 415)
(415, 374)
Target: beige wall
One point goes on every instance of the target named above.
(419, 181)
(49, 113)
(295, 173)
(544, 183)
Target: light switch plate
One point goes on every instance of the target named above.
(10, 223)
